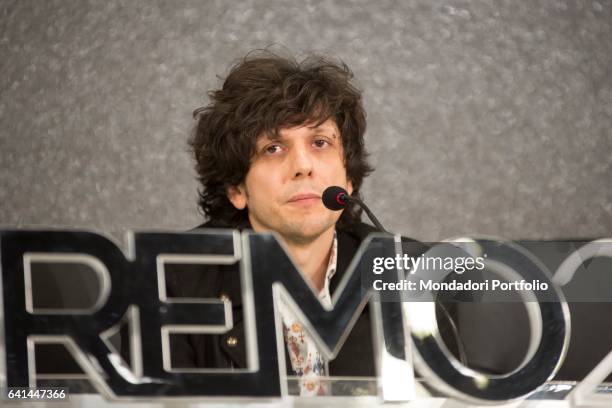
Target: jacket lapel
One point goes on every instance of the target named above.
(347, 246)
(233, 342)
(235, 351)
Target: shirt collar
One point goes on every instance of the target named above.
(331, 270)
(333, 259)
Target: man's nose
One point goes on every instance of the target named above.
(301, 162)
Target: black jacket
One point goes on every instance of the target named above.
(355, 358)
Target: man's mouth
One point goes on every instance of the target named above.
(304, 198)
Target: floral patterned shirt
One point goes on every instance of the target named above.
(306, 360)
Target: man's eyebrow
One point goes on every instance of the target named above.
(325, 130)
(269, 138)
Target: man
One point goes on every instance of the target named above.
(275, 135)
(273, 138)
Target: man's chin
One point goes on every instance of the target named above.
(305, 232)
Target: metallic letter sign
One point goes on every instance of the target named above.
(133, 286)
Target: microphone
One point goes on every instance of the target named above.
(336, 198)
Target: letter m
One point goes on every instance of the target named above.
(275, 277)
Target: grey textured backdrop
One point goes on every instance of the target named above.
(484, 117)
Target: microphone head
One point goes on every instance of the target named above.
(335, 198)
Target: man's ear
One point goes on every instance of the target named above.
(237, 196)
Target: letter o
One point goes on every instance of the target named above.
(445, 373)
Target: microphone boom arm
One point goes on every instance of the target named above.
(372, 217)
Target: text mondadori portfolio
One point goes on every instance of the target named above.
(469, 285)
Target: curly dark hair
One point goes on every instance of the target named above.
(262, 94)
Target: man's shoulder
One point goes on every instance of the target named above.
(213, 223)
(360, 231)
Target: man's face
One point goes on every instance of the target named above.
(283, 187)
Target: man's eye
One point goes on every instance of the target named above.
(272, 149)
(321, 143)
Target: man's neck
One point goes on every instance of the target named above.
(312, 257)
